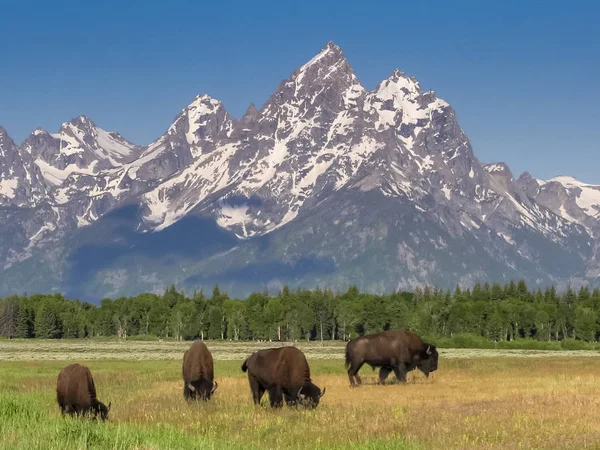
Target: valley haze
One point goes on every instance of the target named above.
(326, 184)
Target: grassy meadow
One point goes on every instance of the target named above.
(478, 399)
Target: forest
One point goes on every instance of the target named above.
(492, 312)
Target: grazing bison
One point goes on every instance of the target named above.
(198, 373)
(284, 372)
(399, 351)
(76, 393)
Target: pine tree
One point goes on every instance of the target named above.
(9, 317)
(25, 327)
(215, 329)
(497, 293)
(583, 295)
(46, 322)
(522, 291)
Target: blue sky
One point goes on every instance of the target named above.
(522, 75)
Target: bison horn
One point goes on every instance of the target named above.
(322, 392)
(214, 387)
(192, 388)
(429, 349)
(299, 391)
(109, 405)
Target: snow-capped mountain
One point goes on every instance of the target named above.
(327, 183)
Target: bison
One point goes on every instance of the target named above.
(198, 373)
(398, 351)
(76, 393)
(284, 372)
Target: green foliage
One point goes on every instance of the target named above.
(486, 316)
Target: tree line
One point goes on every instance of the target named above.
(494, 312)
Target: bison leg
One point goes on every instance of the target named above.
(187, 392)
(383, 374)
(353, 374)
(400, 372)
(276, 396)
(290, 400)
(256, 388)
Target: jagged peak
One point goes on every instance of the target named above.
(203, 104)
(80, 122)
(331, 53)
(5, 138)
(398, 74)
(331, 46)
(400, 82)
(332, 57)
(525, 176)
(251, 112)
(205, 99)
(39, 131)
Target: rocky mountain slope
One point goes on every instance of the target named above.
(327, 183)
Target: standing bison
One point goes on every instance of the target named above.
(76, 393)
(198, 373)
(284, 372)
(399, 351)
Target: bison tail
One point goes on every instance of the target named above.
(245, 365)
(347, 363)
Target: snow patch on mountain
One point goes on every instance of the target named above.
(587, 196)
(8, 186)
(320, 140)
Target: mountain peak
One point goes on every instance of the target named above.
(328, 56)
(401, 81)
(331, 46)
(203, 104)
(5, 139)
(5, 142)
(205, 98)
(397, 74)
(525, 176)
(38, 131)
(250, 113)
(80, 122)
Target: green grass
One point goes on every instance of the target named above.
(149, 412)
(478, 399)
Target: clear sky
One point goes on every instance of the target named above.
(523, 76)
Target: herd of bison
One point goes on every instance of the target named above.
(283, 372)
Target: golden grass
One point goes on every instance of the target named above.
(504, 403)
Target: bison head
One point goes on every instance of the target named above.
(103, 410)
(310, 394)
(429, 359)
(202, 390)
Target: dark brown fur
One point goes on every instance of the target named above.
(76, 393)
(284, 372)
(399, 351)
(198, 372)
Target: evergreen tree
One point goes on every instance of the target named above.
(9, 317)
(586, 325)
(215, 329)
(47, 322)
(25, 328)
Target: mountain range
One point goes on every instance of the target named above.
(328, 184)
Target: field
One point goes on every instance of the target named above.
(477, 399)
